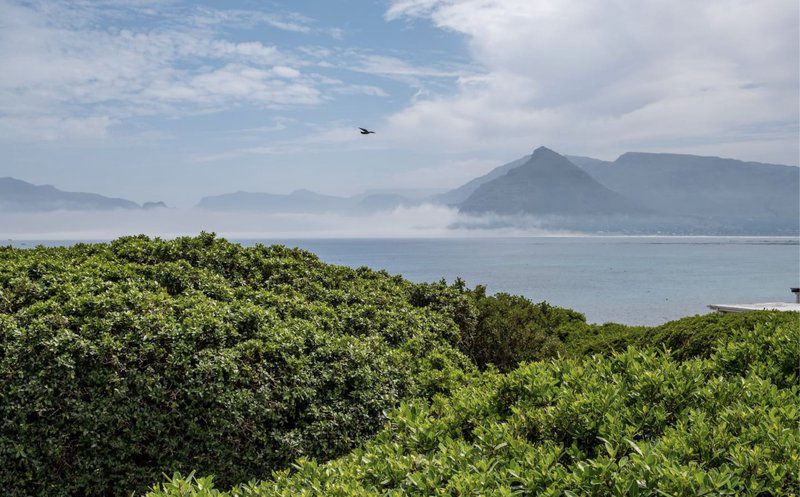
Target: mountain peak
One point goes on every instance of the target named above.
(544, 151)
(547, 184)
(544, 157)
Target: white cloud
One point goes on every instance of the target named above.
(237, 82)
(58, 65)
(392, 66)
(213, 17)
(601, 77)
(370, 90)
(53, 128)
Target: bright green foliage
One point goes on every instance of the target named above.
(121, 361)
(694, 336)
(634, 423)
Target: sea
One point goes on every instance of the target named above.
(631, 280)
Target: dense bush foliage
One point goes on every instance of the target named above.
(510, 329)
(634, 423)
(694, 336)
(121, 361)
(506, 330)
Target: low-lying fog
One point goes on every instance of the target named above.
(419, 221)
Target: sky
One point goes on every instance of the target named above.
(169, 100)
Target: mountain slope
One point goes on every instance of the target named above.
(461, 193)
(588, 164)
(299, 201)
(305, 201)
(21, 196)
(744, 193)
(547, 183)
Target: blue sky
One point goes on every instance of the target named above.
(169, 100)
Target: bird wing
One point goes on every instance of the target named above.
(364, 130)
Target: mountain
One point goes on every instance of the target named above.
(299, 201)
(747, 195)
(587, 163)
(21, 196)
(547, 184)
(305, 201)
(460, 194)
(684, 193)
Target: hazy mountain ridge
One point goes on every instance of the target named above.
(676, 193)
(305, 201)
(20, 196)
(638, 193)
(297, 201)
(548, 184)
(460, 194)
(711, 187)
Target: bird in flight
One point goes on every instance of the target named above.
(365, 131)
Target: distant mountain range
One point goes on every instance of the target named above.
(636, 193)
(297, 201)
(663, 192)
(21, 196)
(305, 201)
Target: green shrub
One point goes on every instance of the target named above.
(505, 330)
(510, 329)
(633, 423)
(121, 361)
(694, 336)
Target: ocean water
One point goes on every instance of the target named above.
(632, 280)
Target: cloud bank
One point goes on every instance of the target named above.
(602, 77)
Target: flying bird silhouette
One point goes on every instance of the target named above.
(365, 131)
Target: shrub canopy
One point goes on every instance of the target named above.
(634, 423)
(122, 361)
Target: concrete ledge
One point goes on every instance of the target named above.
(765, 306)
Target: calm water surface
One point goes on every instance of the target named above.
(634, 280)
(629, 280)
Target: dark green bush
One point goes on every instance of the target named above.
(634, 423)
(505, 330)
(509, 329)
(121, 361)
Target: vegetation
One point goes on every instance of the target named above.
(694, 336)
(635, 423)
(509, 329)
(506, 330)
(124, 361)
